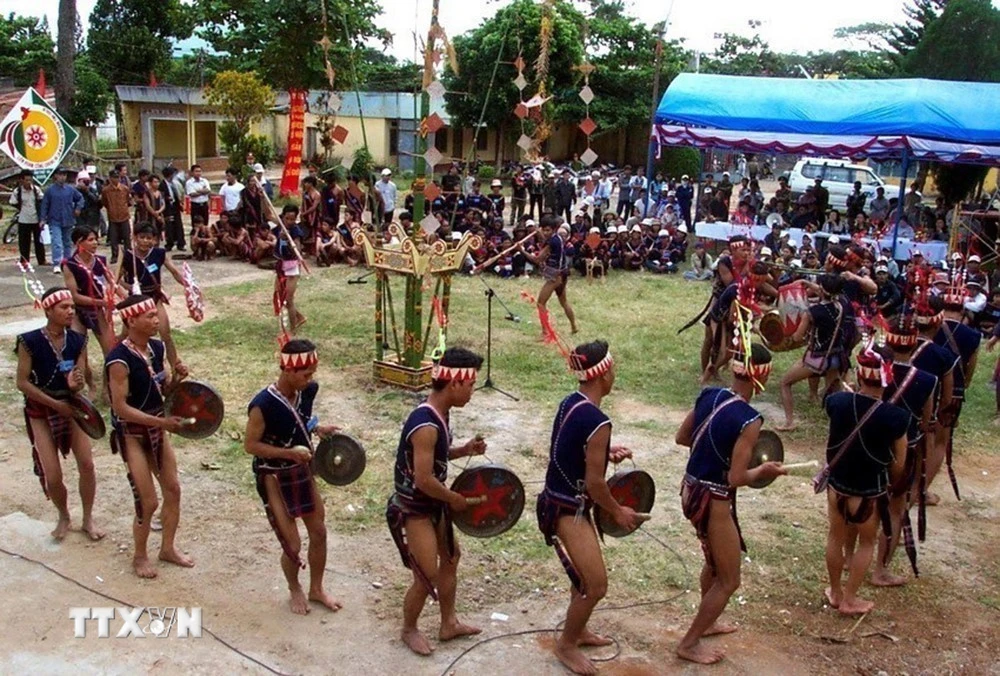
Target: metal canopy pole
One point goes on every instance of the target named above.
(905, 161)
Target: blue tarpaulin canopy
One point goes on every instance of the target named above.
(929, 119)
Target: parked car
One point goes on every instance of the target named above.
(838, 177)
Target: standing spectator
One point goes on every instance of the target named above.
(258, 171)
(536, 194)
(117, 198)
(198, 191)
(640, 186)
(880, 207)
(602, 195)
(155, 206)
(624, 206)
(549, 199)
(497, 201)
(822, 196)
(90, 214)
(27, 200)
(912, 203)
(139, 188)
(387, 189)
(230, 191)
(565, 196)
(685, 196)
(451, 181)
(61, 205)
(173, 207)
(518, 196)
(725, 187)
(856, 202)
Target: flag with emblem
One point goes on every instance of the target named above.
(35, 136)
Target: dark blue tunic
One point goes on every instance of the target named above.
(143, 391)
(406, 488)
(962, 341)
(934, 359)
(49, 368)
(914, 397)
(712, 455)
(281, 427)
(576, 421)
(149, 269)
(863, 470)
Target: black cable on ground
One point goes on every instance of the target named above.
(123, 603)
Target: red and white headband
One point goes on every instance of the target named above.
(55, 298)
(930, 320)
(738, 245)
(837, 262)
(298, 360)
(757, 373)
(456, 373)
(882, 374)
(139, 308)
(595, 371)
(901, 339)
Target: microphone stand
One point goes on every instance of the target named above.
(488, 384)
(511, 317)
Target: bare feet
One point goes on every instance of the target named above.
(324, 599)
(92, 531)
(298, 603)
(883, 578)
(143, 567)
(589, 638)
(456, 630)
(855, 606)
(62, 527)
(174, 556)
(416, 642)
(720, 628)
(573, 659)
(700, 653)
(932, 499)
(831, 598)
(787, 426)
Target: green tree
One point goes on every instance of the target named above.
(962, 44)
(904, 37)
(742, 55)
(93, 96)
(129, 39)
(382, 72)
(243, 99)
(25, 47)
(512, 31)
(624, 59)
(279, 38)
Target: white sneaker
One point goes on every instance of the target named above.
(56, 270)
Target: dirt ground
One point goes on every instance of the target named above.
(944, 623)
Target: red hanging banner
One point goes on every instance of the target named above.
(296, 136)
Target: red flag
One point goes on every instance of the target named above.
(40, 84)
(152, 80)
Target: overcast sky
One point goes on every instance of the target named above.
(788, 25)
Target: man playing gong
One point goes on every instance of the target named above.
(136, 376)
(419, 512)
(578, 457)
(50, 363)
(721, 431)
(279, 436)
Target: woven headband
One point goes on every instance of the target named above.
(595, 371)
(930, 320)
(738, 244)
(837, 262)
(757, 373)
(456, 373)
(139, 308)
(900, 339)
(55, 298)
(876, 373)
(298, 360)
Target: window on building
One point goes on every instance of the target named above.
(456, 141)
(483, 139)
(441, 140)
(393, 137)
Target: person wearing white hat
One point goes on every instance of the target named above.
(658, 256)
(497, 201)
(974, 272)
(387, 190)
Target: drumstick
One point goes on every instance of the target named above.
(643, 516)
(476, 499)
(802, 465)
(189, 421)
(482, 266)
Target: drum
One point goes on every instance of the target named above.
(496, 500)
(631, 488)
(87, 416)
(778, 326)
(340, 459)
(200, 405)
(768, 448)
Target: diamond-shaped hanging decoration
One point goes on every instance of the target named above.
(429, 224)
(587, 94)
(433, 157)
(339, 134)
(521, 111)
(519, 63)
(436, 89)
(432, 191)
(347, 162)
(331, 73)
(520, 82)
(588, 126)
(324, 43)
(585, 68)
(334, 102)
(436, 57)
(432, 123)
(588, 157)
(525, 142)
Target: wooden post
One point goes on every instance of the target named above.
(380, 281)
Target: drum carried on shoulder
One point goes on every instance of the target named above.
(778, 326)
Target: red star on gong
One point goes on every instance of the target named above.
(496, 499)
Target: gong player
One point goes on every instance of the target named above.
(137, 378)
(419, 512)
(50, 363)
(279, 436)
(721, 431)
(578, 457)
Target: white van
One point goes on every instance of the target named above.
(838, 177)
